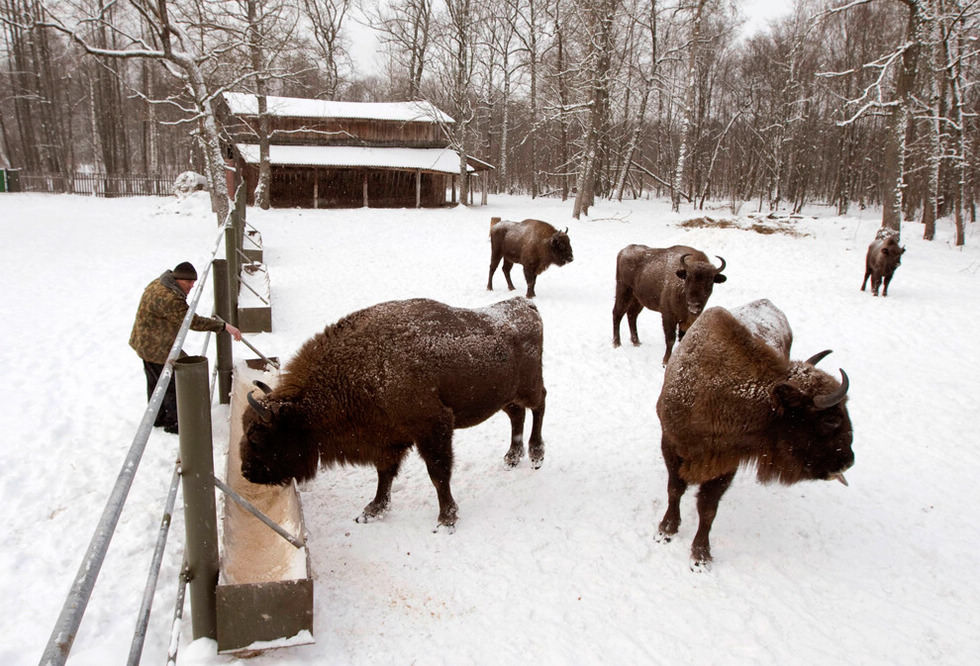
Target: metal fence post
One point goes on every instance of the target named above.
(231, 257)
(222, 307)
(197, 463)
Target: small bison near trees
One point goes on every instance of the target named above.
(884, 256)
(731, 399)
(675, 281)
(394, 375)
(533, 244)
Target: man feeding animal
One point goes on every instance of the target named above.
(732, 399)
(396, 375)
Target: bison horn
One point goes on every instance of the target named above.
(262, 385)
(816, 358)
(264, 413)
(831, 399)
(723, 264)
(840, 477)
(684, 259)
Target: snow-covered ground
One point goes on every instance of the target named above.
(553, 566)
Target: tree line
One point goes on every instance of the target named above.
(846, 103)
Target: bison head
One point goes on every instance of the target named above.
(891, 252)
(699, 278)
(275, 446)
(561, 247)
(812, 427)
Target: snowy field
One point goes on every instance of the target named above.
(553, 566)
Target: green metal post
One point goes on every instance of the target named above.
(200, 518)
(223, 308)
(234, 269)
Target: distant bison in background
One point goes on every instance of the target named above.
(394, 375)
(533, 244)
(675, 281)
(884, 256)
(731, 399)
(188, 182)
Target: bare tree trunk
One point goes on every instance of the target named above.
(601, 19)
(893, 167)
(641, 113)
(688, 110)
(930, 204)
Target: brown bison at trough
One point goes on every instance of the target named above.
(533, 244)
(394, 375)
(675, 281)
(730, 399)
(884, 256)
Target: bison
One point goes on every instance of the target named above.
(730, 399)
(675, 281)
(533, 244)
(884, 256)
(394, 375)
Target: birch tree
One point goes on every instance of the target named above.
(687, 110)
(169, 43)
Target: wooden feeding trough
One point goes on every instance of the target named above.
(265, 588)
(252, 245)
(254, 299)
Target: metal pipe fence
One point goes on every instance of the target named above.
(98, 184)
(63, 635)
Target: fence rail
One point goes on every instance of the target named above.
(98, 184)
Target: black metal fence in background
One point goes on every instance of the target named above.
(97, 184)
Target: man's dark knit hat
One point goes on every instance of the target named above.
(185, 271)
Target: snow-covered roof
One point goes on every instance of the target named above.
(245, 104)
(442, 160)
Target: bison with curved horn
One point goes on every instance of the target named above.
(730, 399)
(533, 244)
(393, 376)
(674, 281)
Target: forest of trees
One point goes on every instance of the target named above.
(846, 103)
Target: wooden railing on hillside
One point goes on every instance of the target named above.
(97, 184)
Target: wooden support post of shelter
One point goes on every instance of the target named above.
(418, 188)
(364, 181)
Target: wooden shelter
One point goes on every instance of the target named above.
(326, 154)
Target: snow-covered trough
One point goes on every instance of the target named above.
(265, 588)
(254, 299)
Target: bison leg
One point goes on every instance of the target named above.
(670, 335)
(875, 283)
(506, 269)
(632, 312)
(436, 449)
(516, 451)
(535, 444)
(495, 257)
(531, 276)
(623, 297)
(884, 289)
(867, 274)
(708, 496)
(675, 489)
(387, 471)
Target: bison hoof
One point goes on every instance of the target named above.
(663, 537)
(700, 565)
(442, 528)
(371, 514)
(513, 457)
(616, 344)
(537, 458)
